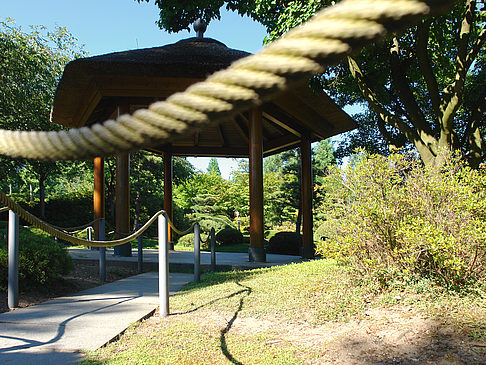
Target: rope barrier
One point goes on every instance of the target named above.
(46, 227)
(62, 233)
(332, 34)
(75, 229)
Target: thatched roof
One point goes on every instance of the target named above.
(91, 89)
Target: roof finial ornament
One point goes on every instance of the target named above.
(200, 28)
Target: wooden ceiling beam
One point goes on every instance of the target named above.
(307, 116)
(275, 116)
(219, 131)
(241, 127)
(280, 144)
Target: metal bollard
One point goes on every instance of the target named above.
(140, 252)
(102, 250)
(163, 265)
(197, 256)
(213, 249)
(13, 260)
(89, 233)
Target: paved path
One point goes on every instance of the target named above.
(56, 331)
(224, 260)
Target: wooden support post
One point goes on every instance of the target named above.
(122, 195)
(307, 234)
(168, 172)
(99, 193)
(257, 250)
(122, 203)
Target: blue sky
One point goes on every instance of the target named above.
(105, 26)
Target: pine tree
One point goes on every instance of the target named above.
(213, 167)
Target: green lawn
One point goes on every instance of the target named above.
(272, 316)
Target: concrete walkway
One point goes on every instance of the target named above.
(185, 259)
(56, 331)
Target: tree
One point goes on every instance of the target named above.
(30, 68)
(283, 186)
(213, 167)
(424, 88)
(323, 157)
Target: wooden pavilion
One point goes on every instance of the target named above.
(97, 88)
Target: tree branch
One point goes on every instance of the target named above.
(454, 92)
(392, 145)
(472, 136)
(407, 99)
(380, 110)
(477, 46)
(426, 66)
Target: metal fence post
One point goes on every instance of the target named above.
(140, 251)
(197, 258)
(163, 265)
(102, 250)
(213, 249)
(13, 260)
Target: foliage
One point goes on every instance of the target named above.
(30, 68)
(285, 243)
(41, 260)
(229, 236)
(209, 214)
(213, 167)
(393, 216)
(188, 241)
(282, 182)
(424, 89)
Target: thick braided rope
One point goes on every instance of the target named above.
(53, 231)
(332, 34)
(77, 228)
(62, 233)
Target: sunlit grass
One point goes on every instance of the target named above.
(241, 316)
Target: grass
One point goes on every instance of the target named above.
(257, 316)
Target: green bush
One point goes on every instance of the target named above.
(188, 241)
(244, 223)
(320, 233)
(270, 233)
(229, 236)
(41, 261)
(285, 243)
(218, 222)
(391, 216)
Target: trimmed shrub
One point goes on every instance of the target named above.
(218, 222)
(285, 243)
(188, 241)
(391, 216)
(270, 233)
(229, 236)
(41, 261)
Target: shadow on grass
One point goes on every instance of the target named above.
(210, 278)
(224, 347)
